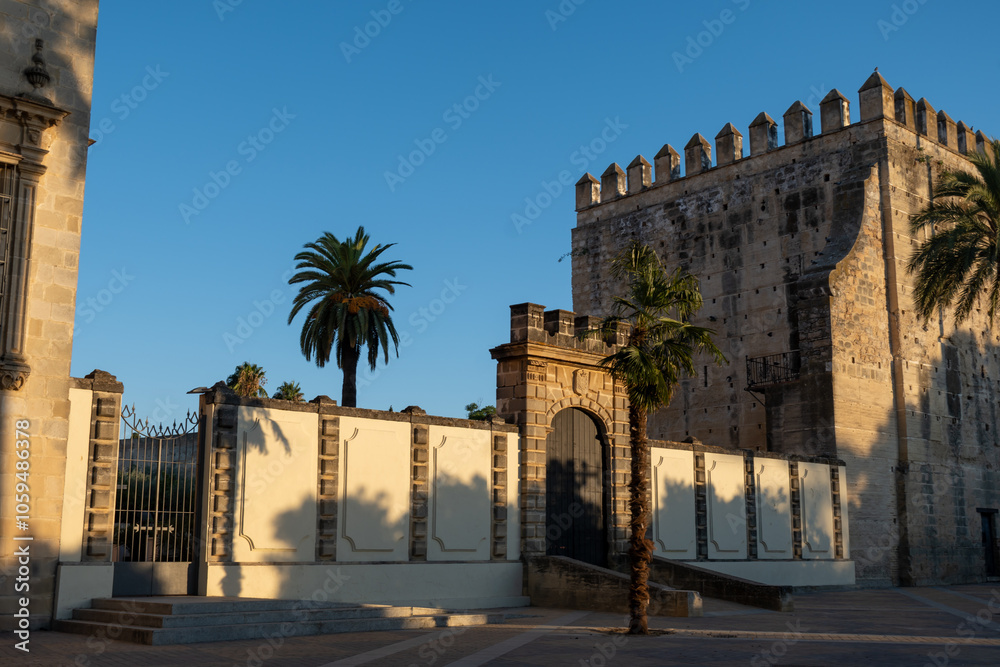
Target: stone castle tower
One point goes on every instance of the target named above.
(801, 250)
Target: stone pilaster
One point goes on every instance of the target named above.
(619, 474)
(838, 523)
(750, 483)
(420, 468)
(221, 501)
(701, 504)
(327, 484)
(795, 491)
(102, 466)
(498, 519)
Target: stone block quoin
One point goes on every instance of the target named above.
(102, 464)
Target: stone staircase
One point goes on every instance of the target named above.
(185, 620)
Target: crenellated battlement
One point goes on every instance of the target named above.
(530, 322)
(876, 99)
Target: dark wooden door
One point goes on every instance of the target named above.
(574, 489)
(989, 541)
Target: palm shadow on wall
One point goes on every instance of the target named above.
(458, 519)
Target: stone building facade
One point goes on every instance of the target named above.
(46, 80)
(801, 250)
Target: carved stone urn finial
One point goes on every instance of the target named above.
(37, 75)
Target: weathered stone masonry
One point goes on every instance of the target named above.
(801, 251)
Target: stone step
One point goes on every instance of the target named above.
(112, 616)
(276, 630)
(173, 605)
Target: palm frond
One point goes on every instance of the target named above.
(956, 266)
(344, 285)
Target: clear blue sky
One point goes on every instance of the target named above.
(232, 132)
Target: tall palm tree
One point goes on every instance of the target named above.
(343, 281)
(958, 264)
(248, 380)
(660, 347)
(289, 391)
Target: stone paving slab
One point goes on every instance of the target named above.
(861, 627)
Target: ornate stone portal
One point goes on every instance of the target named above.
(547, 368)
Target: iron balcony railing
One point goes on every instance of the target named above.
(772, 369)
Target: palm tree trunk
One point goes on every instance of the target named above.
(349, 392)
(641, 550)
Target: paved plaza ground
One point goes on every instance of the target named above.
(955, 625)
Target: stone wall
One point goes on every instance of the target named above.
(710, 505)
(801, 250)
(300, 487)
(948, 387)
(43, 133)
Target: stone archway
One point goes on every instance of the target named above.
(545, 369)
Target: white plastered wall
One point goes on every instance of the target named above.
(460, 494)
(75, 486)
(456, 585)
(375, 495)
(674, 531)
(774, 509)
(817, 511)
(275, 486)
(726, 482)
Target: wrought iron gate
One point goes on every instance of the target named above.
(156, 524)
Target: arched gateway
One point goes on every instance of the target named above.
(574, 435)
(574, 488)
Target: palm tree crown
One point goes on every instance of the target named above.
(248, 381)
(661, 342)
(659, 349)
(958, 264)
(342, 282)
(289, 391)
